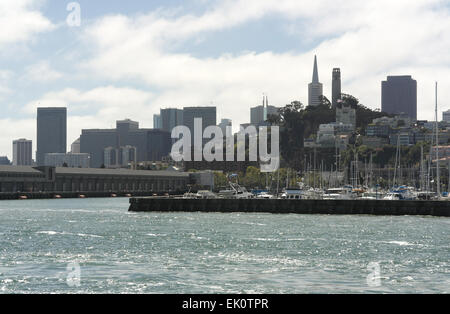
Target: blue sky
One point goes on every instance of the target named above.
(128, 59)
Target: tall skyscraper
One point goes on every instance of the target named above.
(315, 88)
(223, 125)
(259, 114)
(171, 118)
(207, 114)
(399, 95)
(336, 87)
(123, 129)
(157, 121)
(22, 152)
(51, 132)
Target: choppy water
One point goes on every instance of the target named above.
(96, 246)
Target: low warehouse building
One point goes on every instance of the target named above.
(51, 179)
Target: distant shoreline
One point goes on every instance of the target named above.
(69, 195)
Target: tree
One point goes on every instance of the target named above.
(252, 177)
(292, 128)
(324, 101)
(220, 179)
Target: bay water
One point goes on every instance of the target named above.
(97, 246)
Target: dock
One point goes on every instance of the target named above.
(286, 206)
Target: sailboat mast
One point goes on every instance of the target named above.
(438, 179)
(397, 157)
(421, 169)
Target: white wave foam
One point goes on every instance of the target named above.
(68, 233)
(48, 232)
(253, 224)
(155, 235)
(401, 243)
(89, 235)
(265, 239)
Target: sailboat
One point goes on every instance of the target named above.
(428, 193)
(235, 190)
(438, 177)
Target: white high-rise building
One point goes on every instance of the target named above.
(75, 148)
(446, 116)
(345, 114)
(315, 88)
(22, 151)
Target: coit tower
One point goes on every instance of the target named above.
(336, 87)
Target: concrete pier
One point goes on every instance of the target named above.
(283, 206)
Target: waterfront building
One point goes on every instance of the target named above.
(80, 180)
(315, 88)
(51, 132)
(71, 160)
(4, 161)
(399, 95)
(22, 152)
(150, 144)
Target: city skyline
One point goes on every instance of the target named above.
(49, 64)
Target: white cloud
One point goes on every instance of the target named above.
(10, 130)
(42, 72)
(20, 21)
(93, 101)
(92, 109)
(5, 77)
(367, 39)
